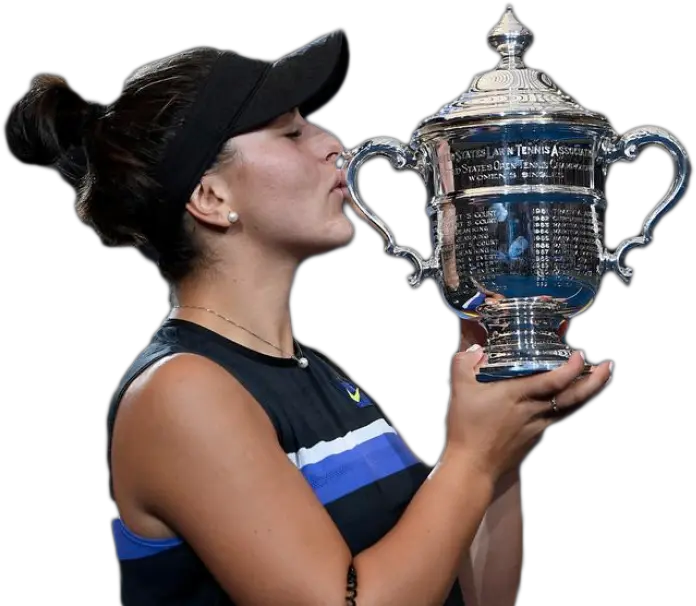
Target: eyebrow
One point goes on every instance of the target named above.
(285, 119)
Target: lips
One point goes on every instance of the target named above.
(340, 181)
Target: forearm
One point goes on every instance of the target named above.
(417, 562)
(492, 567)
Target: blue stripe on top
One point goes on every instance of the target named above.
(333, 469)
(340, 474)
(130, 546)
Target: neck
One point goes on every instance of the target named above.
(253, 290)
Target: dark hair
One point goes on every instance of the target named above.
(109, 154)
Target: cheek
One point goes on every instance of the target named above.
(290, 178)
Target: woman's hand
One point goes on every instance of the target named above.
(497, 423)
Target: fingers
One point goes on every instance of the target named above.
(577, 394)
(545, 385)
(482, 362)
(585, 388)
(465, 364)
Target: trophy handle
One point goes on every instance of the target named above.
(627, 147)
(400, 156)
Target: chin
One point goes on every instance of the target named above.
(336, 234)
(342, 231)
(339, 238)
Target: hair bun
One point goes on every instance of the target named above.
(47, 126)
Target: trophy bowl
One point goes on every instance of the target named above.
(515, 173)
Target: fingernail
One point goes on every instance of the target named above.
(611, 368)
(474, 347)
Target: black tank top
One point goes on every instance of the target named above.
(338, 437)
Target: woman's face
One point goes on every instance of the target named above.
(282, 183)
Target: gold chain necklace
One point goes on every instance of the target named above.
(302, 362)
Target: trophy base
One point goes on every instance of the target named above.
(523, 337)
(523, 368)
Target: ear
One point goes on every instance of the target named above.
(211, 201)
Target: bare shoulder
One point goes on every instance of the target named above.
(179, 371)
(203, 457)
(188, 390)
(179, 398)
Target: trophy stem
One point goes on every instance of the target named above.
(523, 337)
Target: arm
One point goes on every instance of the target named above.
(491, 569)
(201, 455)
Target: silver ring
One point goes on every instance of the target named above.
(554, 406)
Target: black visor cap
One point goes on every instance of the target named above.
(243, 94)
(306, 79)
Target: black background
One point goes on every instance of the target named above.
(605, 491)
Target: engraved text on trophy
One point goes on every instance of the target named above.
(553, 248)
(524, 162)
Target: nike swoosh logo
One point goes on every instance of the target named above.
(355, 396)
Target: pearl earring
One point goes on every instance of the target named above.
(232, 217)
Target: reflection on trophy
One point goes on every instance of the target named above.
(515, 172)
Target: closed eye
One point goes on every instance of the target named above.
(294, 134)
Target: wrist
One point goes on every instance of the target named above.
(470, 463)
(509, 480)
(511, 476)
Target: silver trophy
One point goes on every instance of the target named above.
(515, 171)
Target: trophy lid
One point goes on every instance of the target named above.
(511, 90)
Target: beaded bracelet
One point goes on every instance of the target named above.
(352, 587)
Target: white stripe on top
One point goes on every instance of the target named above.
(321, 450)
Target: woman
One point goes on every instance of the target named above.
(246, 467)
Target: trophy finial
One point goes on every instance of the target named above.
(509, 90)
(511, 39)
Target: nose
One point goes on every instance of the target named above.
(334, 148)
